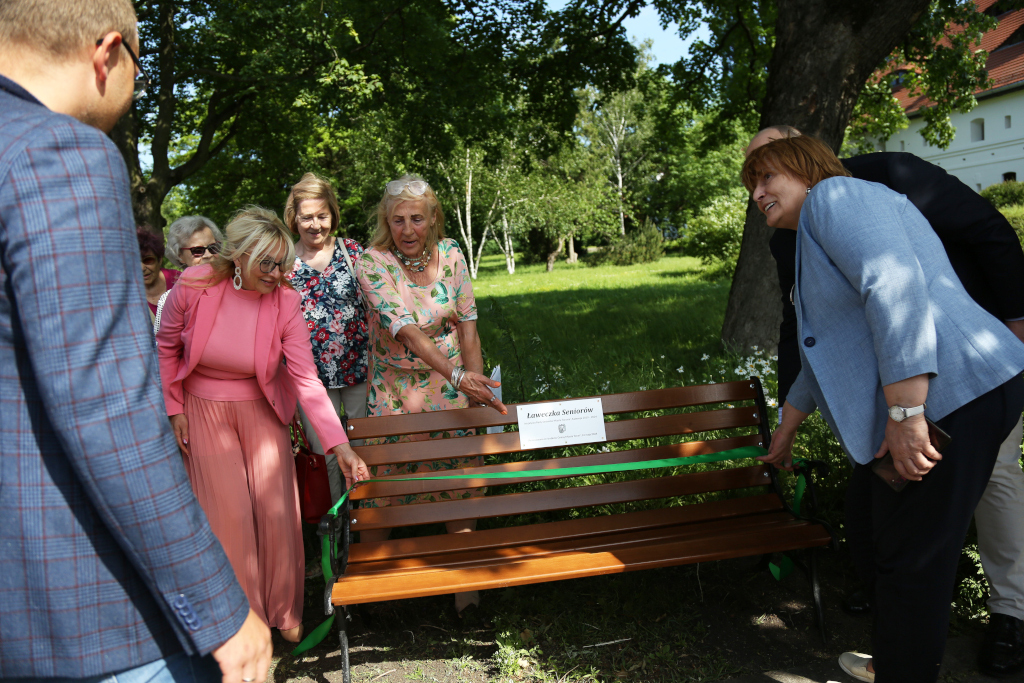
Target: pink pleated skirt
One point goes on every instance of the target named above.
(243, 473)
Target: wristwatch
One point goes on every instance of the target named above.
(899, 413)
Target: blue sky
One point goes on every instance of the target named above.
(668, 46)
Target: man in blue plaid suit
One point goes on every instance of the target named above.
(107, 563)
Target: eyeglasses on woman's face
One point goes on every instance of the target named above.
(267, 266)
(199, 252)
(416, 187)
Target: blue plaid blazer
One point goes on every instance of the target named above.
(106, 559)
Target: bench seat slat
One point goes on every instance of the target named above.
(573, 528)
(471, 418)
(610, 542)
(558, 499)
(405, 488)
(790, 535)
(508, 442)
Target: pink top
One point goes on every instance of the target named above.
(282, 352)
(227, 367)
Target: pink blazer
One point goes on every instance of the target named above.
(284, 355)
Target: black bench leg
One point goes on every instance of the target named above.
(819, 612)
(342, 619)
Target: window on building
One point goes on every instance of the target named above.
(1015, 37)
(903, 146)
(978, 185)
(1006, 122)
(999, 8)
(1010, 177)
(897, 79)
(977, 130)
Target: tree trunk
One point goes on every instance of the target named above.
(556, 253)
(572, 250)
(622, 212)
(824, 53)
(125, 136)
(506, 241)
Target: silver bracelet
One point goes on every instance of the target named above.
(457, 375)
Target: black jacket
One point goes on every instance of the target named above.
(981, 245)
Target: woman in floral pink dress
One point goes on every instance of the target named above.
(424, 347)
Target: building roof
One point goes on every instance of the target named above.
(1005, 47)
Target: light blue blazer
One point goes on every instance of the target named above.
(877, 302)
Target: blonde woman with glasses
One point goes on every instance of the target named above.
(226, 329)
(425, 350)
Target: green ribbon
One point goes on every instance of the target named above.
(321, 631)
(785, 568)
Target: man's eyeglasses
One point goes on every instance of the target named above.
(199, 252)
(267, 266)
(142, 81)
(416, 187)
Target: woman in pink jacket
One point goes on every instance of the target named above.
(234, 355)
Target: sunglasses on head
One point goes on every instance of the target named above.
(198, 252)
(416, 187)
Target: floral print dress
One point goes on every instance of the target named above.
(334, 315)
(400, 382)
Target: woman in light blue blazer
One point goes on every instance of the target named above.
(888, 337)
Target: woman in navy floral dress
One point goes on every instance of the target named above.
(331, 303)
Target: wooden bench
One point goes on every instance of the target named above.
(749, 516)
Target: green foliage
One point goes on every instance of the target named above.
(715, 233)
(1015, 215)
(876, 116)
(645, 245)
(727, 73)
(1002, 195)
(935, 61)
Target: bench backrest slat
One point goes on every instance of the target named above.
(508, 442)
(679, 450)
(613, 404)
(559, 499)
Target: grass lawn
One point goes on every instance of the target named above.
(584, 330)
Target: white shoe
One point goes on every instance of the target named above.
(856, 665)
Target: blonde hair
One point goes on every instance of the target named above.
(382, 239)
(61, 28)
(254, 231)
(804, 157)
(310, 186)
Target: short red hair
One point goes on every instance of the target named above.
(805, 157)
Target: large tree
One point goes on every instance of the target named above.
(247, 95)
(806, 63)
(222, 70)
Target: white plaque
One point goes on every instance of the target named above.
(561, 423)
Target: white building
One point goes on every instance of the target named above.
(989, 143)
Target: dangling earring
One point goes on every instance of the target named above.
(236, 281)
(808, 191)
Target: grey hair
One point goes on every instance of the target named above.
(182, 230)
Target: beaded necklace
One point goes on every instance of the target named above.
(416, 266)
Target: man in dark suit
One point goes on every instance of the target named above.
(987, 257)
(107, 563)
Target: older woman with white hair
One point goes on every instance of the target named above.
(192, 240)
(227, 327)
(424, 346)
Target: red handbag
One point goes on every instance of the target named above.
(311, 472)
